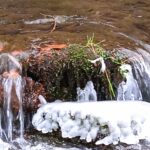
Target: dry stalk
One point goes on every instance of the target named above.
(55, 23)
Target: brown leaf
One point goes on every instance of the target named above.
(53, 46)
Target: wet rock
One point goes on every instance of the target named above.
(62, 70)
(47, 67)
(32, 90)
(11, 82)
(8, 63)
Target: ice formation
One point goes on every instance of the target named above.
(8, 62)
(87, 94)
(128, 89)
(101, 60)
(42, 100)
(117, 121)
(140, 61)
(80, 95)
(4, 146)
(12, 85)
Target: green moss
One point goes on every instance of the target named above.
(78, 61)
(63, 71)
(79, 56)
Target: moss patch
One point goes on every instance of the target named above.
(61, 72)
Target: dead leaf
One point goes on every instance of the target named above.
(53, 46)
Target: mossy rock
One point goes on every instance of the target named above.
(62, 71)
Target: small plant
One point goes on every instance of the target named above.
(96, 48)
(98, 51)
(78, 61)
(62, 71)
(79, 56)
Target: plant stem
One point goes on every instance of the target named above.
(110, 85)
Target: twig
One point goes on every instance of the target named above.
(46, 15)
(93, 50)
(55, 23)
(54, 26)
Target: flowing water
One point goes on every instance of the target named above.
(128, 89)
(140, 62)
(22, 21)
(123, 25)
(12, 109)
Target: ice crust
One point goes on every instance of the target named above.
(117, 121)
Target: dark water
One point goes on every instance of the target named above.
(114, 23)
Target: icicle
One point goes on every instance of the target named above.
(88, 94)
(80, 95)
(90, 91)
(101, 60)
(8, 62)
(18, 86)
(141, 63)
(7, 85)
(128, 89)
(42, 100)
(10, 70)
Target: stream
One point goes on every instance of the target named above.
(122, 25)
(114, 24)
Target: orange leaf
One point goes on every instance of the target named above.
(53, 46)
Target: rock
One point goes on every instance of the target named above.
(32, 90)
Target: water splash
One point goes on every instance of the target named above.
(12, 85)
